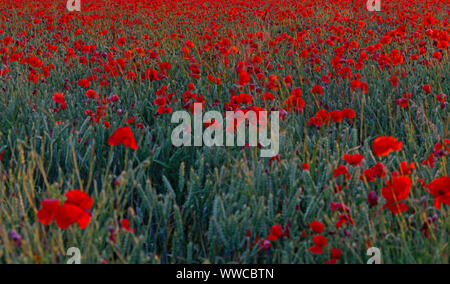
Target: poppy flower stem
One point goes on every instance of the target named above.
(75, 163)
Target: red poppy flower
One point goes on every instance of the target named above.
(430, 161)
(427, 89)
(272, 238)
(122, 41)
(341, 207)
(403, 102)
(321, 117)
(406, 169)
(78, 198)
(294, 103)
(395, 192)
(265, 245)
(74, 210)
(348, 113)
(342, 170)
(343, 219)
(354, 160)
(336, 253)
(317, 227)
(440, 189)
(242, 99)
(47, 214)
(126, 225)
(84, 83)
(317, 89)
(297, 92)
(69, 214)
(276, 231)
(124, 136)
(383, 146)
(268, 97)
(337, 116)
(91, 94)
(377, 171)
(58, 98)
(320, 242)
(244, 78)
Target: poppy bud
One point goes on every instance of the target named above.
(434, 218)
(16, 238)
(265, 245)
(373, 199)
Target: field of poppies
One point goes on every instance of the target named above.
(87, 161)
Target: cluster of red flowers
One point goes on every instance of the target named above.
(59, 100)
(398, 187)
(293, 68)
(276, 233)
(74, 210)
(441, 150)
(337, 116)
(320, 242)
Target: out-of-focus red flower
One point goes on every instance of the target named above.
(68, 214)
(397, 190)
(336, 253)
(47, 213)
(74, 210)
(342, 170)
(122, 41)
(343, 219)
(317, 227)
(354, 160)
(294, 103)
(78, 198)
(276, 231)
(440, 189)
(317, 89)
(267, 97)
(341, 207)
(383, 146)
(265, 245)
(84, 83)
(91, 94)
(319, 243)
(126, 225)
(124, 136)
(427, 89)
(430, 161)
(244, 78)
(58, 98)
(377, 171)
(406, 169)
